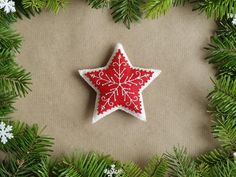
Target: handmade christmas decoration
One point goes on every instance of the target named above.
(27, 154)
(8, 6)
(113, 172)
(119, 85)
(5, 132)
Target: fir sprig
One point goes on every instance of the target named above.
(155, 8)
(156, 167)
(127, 11)
(181, 164)
(27, 154)
(15, 79)
(217, 9)
(6, 103)
(222, 99)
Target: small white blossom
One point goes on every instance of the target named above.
(5, 132)
(113, 172)
(8, 6)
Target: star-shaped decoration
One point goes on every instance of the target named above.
(119, 85)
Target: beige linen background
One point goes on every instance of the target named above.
(55, 47)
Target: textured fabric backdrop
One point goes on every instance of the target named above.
(55, 47)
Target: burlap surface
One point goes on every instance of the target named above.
(55, 47)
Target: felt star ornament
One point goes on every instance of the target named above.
(119, 85)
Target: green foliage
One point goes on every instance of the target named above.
(29, 8)
(79, 165)
(15, 79)
(227, 169)
(22, 11)
(224, 130)
(55, 5)
(99, 3)
(10, 40)
(155, 8)
(223, 98)
(222, 53)
(34, 4)
(226, 28)
(127, 11)
(156, 167)
(213, 157)
(6, 19)
(6, 101)
(179, 2)
(180, 164)
(25, 152)
(217, 8)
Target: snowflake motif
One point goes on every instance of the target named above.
(5, 132)
(120, 80)
(119, 85)
(8, 6)
(113, 172)
(233, 16)
(234, 154)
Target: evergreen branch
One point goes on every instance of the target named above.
(89, 165)
(127, 11)
(156, 167)
(15, 79)
(44, 168)
(131, 169)
(222, 53)
(223, 98)
(6, 19)
(224, 130)
(27, 142)
(56, 5)
(24, 11)
(6, 58)
(99, 3)
(25, 151)
(226, 28)
(213, 157)
(6, 101)
(180, 164)
(9, 39)
(227, 169)
(179, 2)
(155, 8)
(217, 9)
(38, 5)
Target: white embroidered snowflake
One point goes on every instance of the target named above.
(112, 172)
(8, 6)
(5, 132)
(234, 154)
(119, 83)
(233, 16)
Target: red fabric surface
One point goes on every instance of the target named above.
(119, 84)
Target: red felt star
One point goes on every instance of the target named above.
(119, 85)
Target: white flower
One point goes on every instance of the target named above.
(8, 6)
(113, 172)
(5, 132)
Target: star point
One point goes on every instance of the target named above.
(119, 85)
